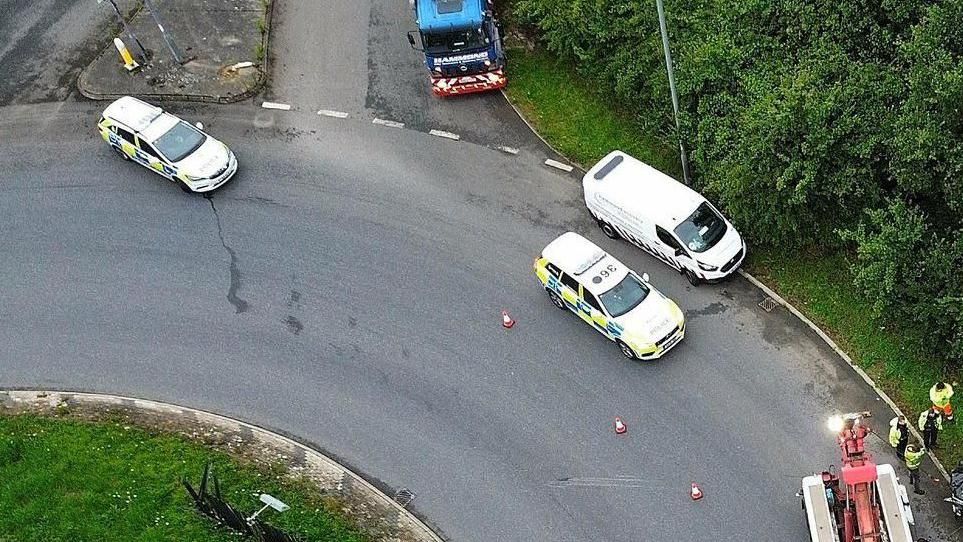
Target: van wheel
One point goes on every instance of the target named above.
(556, 300)
(608, 230)
(626, 351)
(692, 277)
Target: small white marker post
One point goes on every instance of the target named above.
(558, 165)
(444, 134)
(335, 114)
(276, 105)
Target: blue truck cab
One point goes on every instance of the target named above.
(462, 45)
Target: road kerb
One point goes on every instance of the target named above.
(839, 351)
(53, 399)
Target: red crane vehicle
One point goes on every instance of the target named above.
(863, 503)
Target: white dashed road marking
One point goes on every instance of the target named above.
(275, 105)
(444, 134)
(388, 123)
(558, 165)
(335, 114)
(509, 150)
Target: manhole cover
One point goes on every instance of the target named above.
(768, 304)
(404, 496)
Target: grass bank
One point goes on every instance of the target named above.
(582, 122)
(67, 480)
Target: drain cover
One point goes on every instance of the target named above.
(404, 496)
(768, 304)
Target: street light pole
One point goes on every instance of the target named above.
(130, 33)
(675, 97)
(167, 39)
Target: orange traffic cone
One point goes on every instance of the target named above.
(507, 320)
(620, 427)
(696, 492)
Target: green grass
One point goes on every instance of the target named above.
(581, 122)
(65, 480)
(578, 122)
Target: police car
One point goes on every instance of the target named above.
(167, 145)
(581, 277)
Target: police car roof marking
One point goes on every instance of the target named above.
(132, 112)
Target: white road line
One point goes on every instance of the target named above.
(388, 123)
(558, 165)
(444, 134)
(335, 114)
(509, 150)
(275, 105)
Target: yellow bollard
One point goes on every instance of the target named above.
(129, 62)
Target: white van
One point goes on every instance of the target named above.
(634, 201)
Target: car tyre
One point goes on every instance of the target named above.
(691, 277)
(609, 230)
(627, 350)
(556, 299)
(184, 187)
(121, 153)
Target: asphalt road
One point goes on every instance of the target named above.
(345, 287)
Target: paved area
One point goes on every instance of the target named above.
(356, 303)
(46, 43)
(346, 287)
(209, 37)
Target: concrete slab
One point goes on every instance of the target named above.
(215, 35)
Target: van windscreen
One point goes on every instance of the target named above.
(702, 230)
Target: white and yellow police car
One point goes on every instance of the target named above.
(167, 145)
(581, 277)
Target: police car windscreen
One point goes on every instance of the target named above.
(453, 42)
(179, 141)
(625, 296)
(702, 230)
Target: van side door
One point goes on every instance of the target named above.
(681, 259)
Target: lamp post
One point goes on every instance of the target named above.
(675, 97)
(130, 33)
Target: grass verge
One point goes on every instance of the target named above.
(581, 122)
(67, 480)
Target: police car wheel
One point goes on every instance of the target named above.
(692, 277)
(120, 152)
(627, 351)
(608, 230)
(556, 300)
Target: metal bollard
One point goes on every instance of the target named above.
(129, 62)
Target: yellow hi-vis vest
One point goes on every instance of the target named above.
(914, 459)
(941, 398)
(894, 434)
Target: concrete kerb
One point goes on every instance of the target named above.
(320, 466)
(795, 312)
(839, 351)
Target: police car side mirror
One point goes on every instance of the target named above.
(199, 125)
(645, 277)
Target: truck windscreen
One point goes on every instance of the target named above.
(455, 42)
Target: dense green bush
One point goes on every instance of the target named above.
(834, 125)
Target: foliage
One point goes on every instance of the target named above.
(804, 120)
